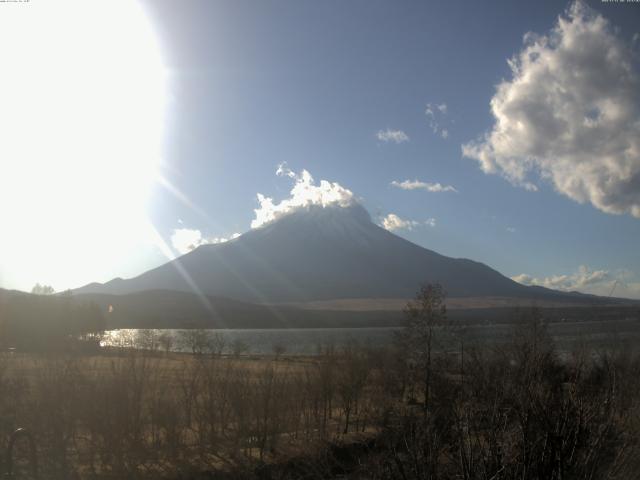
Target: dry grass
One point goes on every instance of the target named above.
(513, 411)
(454, 303)
(140, 415)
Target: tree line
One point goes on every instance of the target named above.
(48, 322)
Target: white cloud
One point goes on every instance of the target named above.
(583, 279)
(570, 114)
(436, 114)
(185, 239)
(388, 135)
(224, 239)
(393, 222)
(284, 171)
(432, 108)
(418, 185)
(303, 194)
(620, 283)
(511, 229)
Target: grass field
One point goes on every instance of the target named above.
(350, 411)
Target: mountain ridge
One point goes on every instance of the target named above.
(322, 253)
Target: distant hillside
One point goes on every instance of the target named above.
(167, 309)
(45, 322)
(171, 309)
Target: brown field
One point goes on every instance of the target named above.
(453, 303)
(130, 414)
(513, 410)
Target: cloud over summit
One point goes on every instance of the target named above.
(304, 193)
(570, 114)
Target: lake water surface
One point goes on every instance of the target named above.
(296, 341)
(308, 341)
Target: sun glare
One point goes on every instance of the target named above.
(82, 90)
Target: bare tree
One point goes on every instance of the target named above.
(217, 344)
(148, 339)
(239, 347)
(426, 312)
(278, 349)
(196, 340)
(165, 339)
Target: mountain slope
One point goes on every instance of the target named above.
(320, 253)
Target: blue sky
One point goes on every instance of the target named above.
(251, 85)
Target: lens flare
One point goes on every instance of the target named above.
(82, 103)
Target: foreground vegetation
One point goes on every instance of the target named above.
(414, 410)
(514, 413)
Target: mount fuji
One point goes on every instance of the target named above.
(321, 253)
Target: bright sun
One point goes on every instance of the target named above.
(82, 90)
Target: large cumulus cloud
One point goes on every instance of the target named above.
(570, 115)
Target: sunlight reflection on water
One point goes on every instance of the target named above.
(303, 341)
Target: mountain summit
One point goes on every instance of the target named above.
(319, 253)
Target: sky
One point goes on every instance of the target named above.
(505, 132)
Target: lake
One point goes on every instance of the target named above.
(307, 341)
(296, 341)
